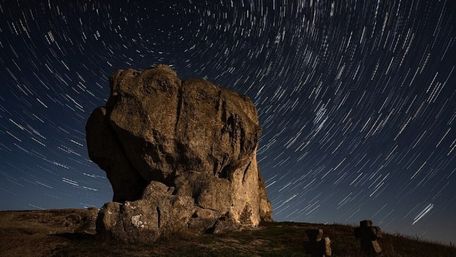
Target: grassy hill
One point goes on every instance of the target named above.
(71, 232)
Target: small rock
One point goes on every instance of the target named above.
(315, 235)
(223, 224)
(317, 245)
(376, 247)
(327, 247)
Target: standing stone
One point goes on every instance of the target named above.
(317, 245)
(180, 155)
(368, 236)
(327, 247)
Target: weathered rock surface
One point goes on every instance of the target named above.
(180, 155)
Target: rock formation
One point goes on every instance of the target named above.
(180, 156)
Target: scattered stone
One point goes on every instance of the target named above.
(376, 247)
(180, 155)
(317, 245)
(315, 235)
(368, 236)
(81, 222)
(223, 224)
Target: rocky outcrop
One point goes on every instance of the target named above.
(180, 155)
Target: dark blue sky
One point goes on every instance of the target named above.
(357, 99)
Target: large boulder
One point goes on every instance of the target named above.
(180, 156)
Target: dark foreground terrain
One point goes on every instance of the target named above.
(71, 232)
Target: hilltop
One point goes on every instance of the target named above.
(71, 232)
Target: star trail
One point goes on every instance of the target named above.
(357, 99)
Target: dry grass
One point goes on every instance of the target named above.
(48, 233)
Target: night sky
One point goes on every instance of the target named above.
(357, 99)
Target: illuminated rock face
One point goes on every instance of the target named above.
(180, 156)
